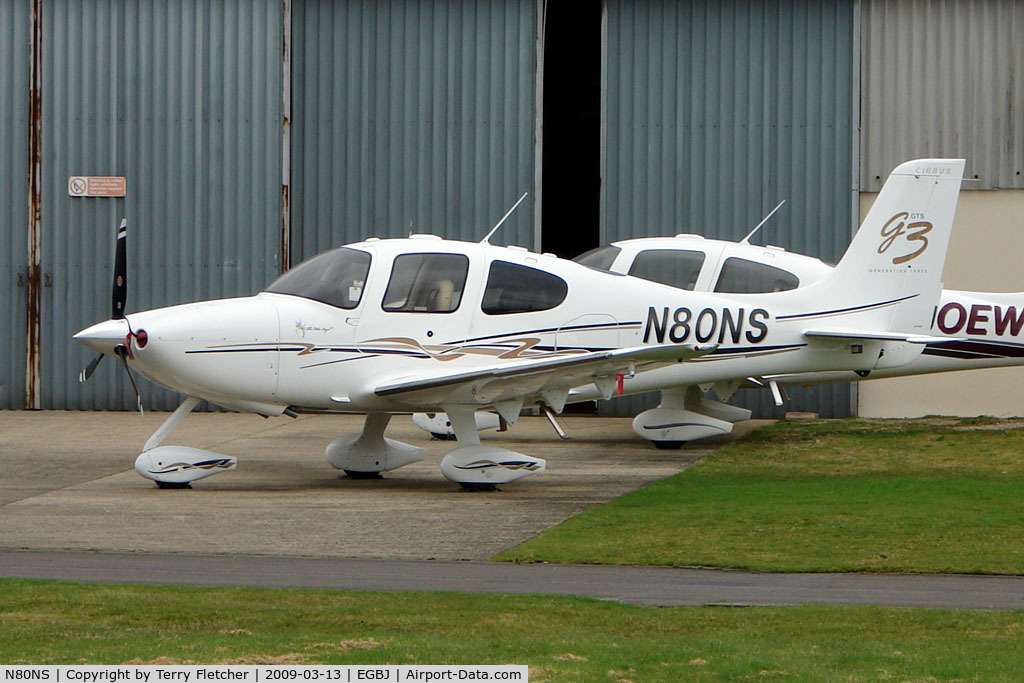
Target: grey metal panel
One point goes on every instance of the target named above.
(944, 79)
(14, 151)
(411, 117)
(714, 112)
(184, 100)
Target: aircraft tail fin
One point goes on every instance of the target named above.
(891, 275)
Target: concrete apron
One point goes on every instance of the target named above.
(68, 483)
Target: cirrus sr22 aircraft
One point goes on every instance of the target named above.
(430, 325)
(971, 329)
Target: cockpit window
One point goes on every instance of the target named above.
(335, 277)
(600, 258)
(426, 283)
(512, 288)
(672, 267)
(740, 276)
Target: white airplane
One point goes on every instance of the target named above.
(430, 325)
(971, 329)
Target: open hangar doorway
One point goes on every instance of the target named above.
(570, 113)
(699, 117)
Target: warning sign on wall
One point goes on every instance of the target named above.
(97, 186)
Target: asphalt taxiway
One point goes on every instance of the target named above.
(656, 586)
(72, 508)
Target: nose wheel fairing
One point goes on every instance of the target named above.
(178, 466)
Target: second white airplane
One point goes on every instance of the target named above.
(971, 329)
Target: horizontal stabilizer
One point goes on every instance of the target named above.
(865, 335)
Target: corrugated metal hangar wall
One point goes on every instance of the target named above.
(254, 134)
(407, 116)
(715, 112)
(14, 132)
(411, 117)
(183, 99)
(944, 79)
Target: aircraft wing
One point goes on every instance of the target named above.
(547, 378)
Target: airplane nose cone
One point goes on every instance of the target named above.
(103, 337)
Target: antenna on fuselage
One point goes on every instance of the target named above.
(746, 240)
(503, 219)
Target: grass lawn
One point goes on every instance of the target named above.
(834, 495)
(560, 638)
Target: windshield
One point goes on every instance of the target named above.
(673, 267)
(335, 277)
(600, 258)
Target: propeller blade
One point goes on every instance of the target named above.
(123, 353)
(120, 290)
(90, 368)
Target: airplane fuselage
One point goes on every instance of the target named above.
(982, 329)
(273, 351)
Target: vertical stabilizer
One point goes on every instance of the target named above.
(891, 275)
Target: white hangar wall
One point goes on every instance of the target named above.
(947, 79)
(984, 255)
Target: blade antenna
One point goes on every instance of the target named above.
(503, 219)
(746, 240)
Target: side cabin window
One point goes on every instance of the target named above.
(600, 258)
(512, 288)
(740, 276)
(672, 267)
(335, 278)
(426, 283)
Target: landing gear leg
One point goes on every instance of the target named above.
(176, 467)
(366, 455)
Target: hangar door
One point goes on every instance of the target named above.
(183, 100)
(412, 116)
(713, 113)
(14, 75)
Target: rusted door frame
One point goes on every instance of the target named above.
(286, 134)
(34, 281)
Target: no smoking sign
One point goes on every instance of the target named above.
(97, 186)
